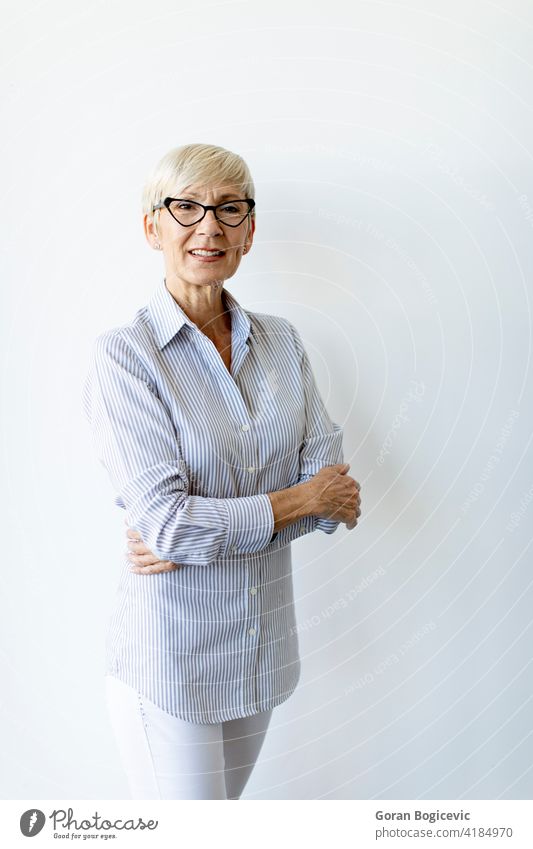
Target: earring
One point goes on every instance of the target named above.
(157, 246)
(244, 250)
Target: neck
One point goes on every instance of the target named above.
(202, 304)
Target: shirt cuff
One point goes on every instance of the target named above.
(329, 526)
(294, 531)
(250, 523)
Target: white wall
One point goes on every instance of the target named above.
(390, 143)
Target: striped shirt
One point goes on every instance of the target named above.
(192, 451)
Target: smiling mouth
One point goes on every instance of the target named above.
(207, 254)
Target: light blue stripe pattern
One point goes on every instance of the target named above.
(192, 451)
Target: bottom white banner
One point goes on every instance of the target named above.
(272, 824)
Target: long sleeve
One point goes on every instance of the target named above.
(136, 442)
(322, 444)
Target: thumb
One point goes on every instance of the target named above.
(342, 467)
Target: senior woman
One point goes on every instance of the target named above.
(209, 422)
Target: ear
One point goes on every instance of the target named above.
(149, 230)
(250, 234)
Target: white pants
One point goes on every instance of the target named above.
(165, 757)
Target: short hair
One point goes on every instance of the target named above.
(204, 164)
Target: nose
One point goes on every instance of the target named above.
(209, 225)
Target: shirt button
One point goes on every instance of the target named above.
(251, 469)
(253, 590)
(233, 548)
(245, 427)
(302, 530)
(251, 631)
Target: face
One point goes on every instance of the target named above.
(177, 241)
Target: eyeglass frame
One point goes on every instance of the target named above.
(165, 204)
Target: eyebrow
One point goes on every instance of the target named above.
(222, 197)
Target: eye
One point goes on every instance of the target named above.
(229, 207)
(184, 205)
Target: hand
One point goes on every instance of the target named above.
(336, 495)
(146, 563)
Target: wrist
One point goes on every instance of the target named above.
(309, 498)
(292, 504)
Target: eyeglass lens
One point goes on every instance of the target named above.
(189, 212)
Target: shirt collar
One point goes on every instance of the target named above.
(167, 317)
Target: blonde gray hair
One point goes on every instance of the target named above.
(204, 164)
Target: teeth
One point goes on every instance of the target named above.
(207, 253)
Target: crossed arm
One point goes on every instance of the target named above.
(332, 494)
(136, 442)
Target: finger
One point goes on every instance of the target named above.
(143, 559)
(161, 566)
(138, 547)
(131, 534)
(146, 570)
